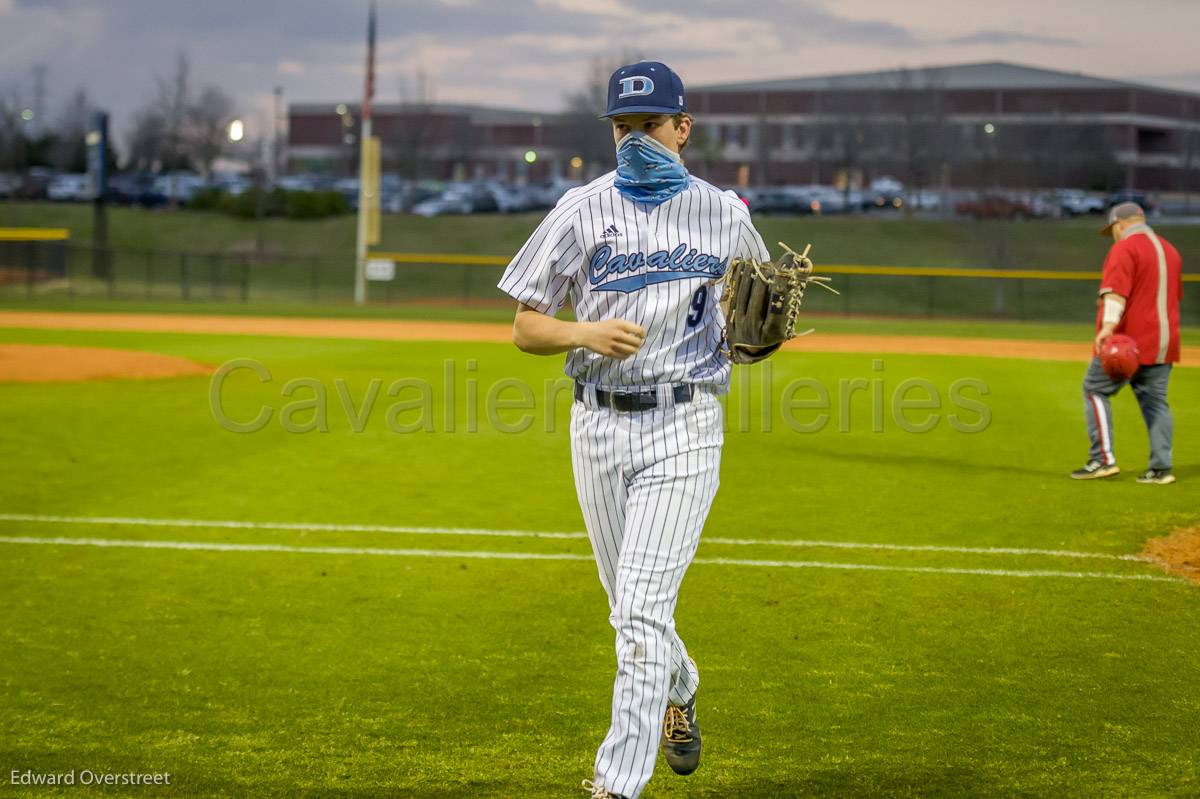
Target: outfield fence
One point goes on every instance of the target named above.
(55, 266)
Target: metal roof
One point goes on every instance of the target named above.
(984, 75)
(478, 114)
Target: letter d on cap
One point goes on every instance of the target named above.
(635, 86)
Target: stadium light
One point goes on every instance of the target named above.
(237, 130)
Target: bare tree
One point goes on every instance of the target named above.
(926, 142)
(173, 103)
(208, 119)
(578, 129)
(146, 138)
(173, 131)
(12, 135)
(70, 148)
(704, 147)
(849, 135)
(411, 135)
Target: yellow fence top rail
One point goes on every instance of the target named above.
(34, 234)
(831, 269)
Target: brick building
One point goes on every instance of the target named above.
(439, 142)
(989, 124)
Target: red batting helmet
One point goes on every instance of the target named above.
(1119, 357)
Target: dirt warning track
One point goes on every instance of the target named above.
(424, 330)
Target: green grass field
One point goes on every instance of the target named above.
(364, 671)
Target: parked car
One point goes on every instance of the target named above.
(1044, 207)
(822, 199)
(179, 187)
(994, 207)
(923, 200)
(1076, 202)
(547, 193)
(235, 186)
(458, 199)
(512, 199)
(886, 185)
(451, 202)
(296, 182)
(406, 195)
(34, 183)
(779, 200)
(882, 201)
(135, 189)
(1131, 196)
(68, 188)
(9, 184)
(883, 193)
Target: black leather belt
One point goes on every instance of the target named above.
(630, 401)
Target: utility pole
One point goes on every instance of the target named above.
(277, 160)
(97, 151)
(364, 149)
(39, 100)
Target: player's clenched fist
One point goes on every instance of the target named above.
(615, 338)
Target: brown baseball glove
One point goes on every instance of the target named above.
(764, 301)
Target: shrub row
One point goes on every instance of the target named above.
(277, 202)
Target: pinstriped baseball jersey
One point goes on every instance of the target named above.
(655, 265)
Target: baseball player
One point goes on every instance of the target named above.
(638, 253)
(1140, 292)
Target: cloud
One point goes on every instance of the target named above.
(796, 22)
(1000, 37)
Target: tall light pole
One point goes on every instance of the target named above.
(989, 131)
(277, 166)
(365, 168)
(237, 134)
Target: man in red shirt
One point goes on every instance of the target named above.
(1139, 297)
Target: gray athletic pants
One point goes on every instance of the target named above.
(1150, 387)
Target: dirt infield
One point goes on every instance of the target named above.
(1178, 553)
(420, 330)
(44, 363)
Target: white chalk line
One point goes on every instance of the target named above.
(208, 546)
(488, 533)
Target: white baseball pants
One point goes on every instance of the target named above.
(645, 481)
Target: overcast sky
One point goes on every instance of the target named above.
(530, 53)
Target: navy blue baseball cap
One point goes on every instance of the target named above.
(647, 87)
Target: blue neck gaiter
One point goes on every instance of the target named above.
(648, 171)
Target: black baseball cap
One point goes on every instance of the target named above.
(647, 87)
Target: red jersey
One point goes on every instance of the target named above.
(1147, 271)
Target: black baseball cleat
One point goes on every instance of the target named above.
(1160, 477)
(681, 738)
(1095, 470)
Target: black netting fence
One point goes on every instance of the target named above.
(54, 268)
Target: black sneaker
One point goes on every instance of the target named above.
(1095, 470)
(1160, 477)
(681, 738)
